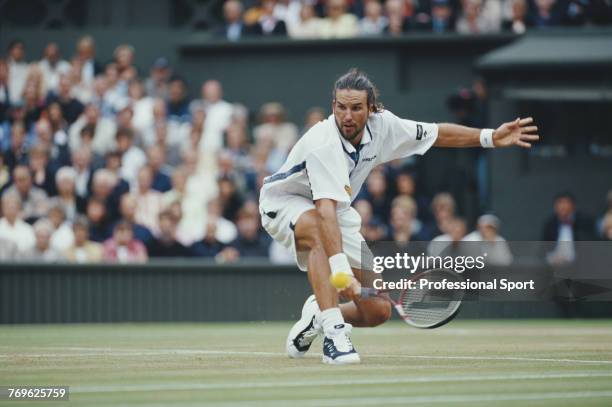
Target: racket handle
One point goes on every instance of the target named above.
(368, 292)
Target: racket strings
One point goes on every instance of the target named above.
(425, 307)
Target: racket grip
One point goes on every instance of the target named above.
(368, 292)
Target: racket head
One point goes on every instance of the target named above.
(427, 308)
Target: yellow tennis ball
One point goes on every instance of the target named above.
(340, 280)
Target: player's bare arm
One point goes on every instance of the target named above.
(331, 239)
(520, 132)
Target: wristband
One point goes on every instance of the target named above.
(486, 138)
(339, 264)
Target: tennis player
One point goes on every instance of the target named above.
(306, 205)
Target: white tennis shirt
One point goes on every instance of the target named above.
(322, 164)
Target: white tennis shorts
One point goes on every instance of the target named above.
(279, 220)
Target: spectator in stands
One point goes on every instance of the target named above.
(132, 157)
(56, 144)
(251, 242)
(142, 107)
(81, 162)
(127, 209)
(71, 107)
(496, 247)
(12, 227)
(5, 173)
(309, 24)
(232, 28)
(166, 244)
(397, 24)
(122, 247)
(229, 197)
(156, 159)
(418, 230)
(519, 21)
(33, 102)
(218, 115)
(5, 100)
(53, 66)
(545, 14)
(338, 23)
(156, 84)
(148, 201)
(600, 221)
(42, 250)
(473, 19)
(72, 204)
(226, 230)
(566, 223)
(443, 210)
(99, 225)
(18, 70)
(209, 246)
(124, 58)
(101, 98)
(373, 23)
(274, 127)
(62, 235)
(86, 54)
(178, 104)
(33, 199)
(313, 116)
(565, 227)
(377, 193)
(442, 18)
(107, 187)
(456, 231)
(372, 229)
(606, 227)
(17, 151)
(43, 175)
(83, 250)
(179, 187)
(268, 24)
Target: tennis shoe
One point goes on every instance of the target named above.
(338, 348)
(305, 331)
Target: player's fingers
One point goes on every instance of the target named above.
(524, 144)
(530, 137)
(529, 129)
(524, 122)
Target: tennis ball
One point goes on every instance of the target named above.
(340, 280)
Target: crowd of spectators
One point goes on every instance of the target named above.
(103, 163)
(324, 19)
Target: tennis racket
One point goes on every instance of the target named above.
(425, 308)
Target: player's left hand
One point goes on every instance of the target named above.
(519, 132)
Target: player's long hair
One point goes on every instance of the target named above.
(358, 80)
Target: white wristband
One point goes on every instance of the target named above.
(339, 264)
(486, 138)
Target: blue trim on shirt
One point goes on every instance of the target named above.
(282, 175)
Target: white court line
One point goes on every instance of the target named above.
(162, 352)
(406, 400)
(110, 352)
(331, 382)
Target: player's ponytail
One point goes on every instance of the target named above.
(358, 80)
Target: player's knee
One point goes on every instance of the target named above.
(378, 314)
(307, 232)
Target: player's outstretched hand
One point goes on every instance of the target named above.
(351, 291)
(519, 132)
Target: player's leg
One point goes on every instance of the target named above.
(367, 312)
(337, 347)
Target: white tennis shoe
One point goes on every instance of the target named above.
(305, 331)
(338, 348)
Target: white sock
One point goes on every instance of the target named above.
(329, 319)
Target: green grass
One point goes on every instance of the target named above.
(468, 363)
